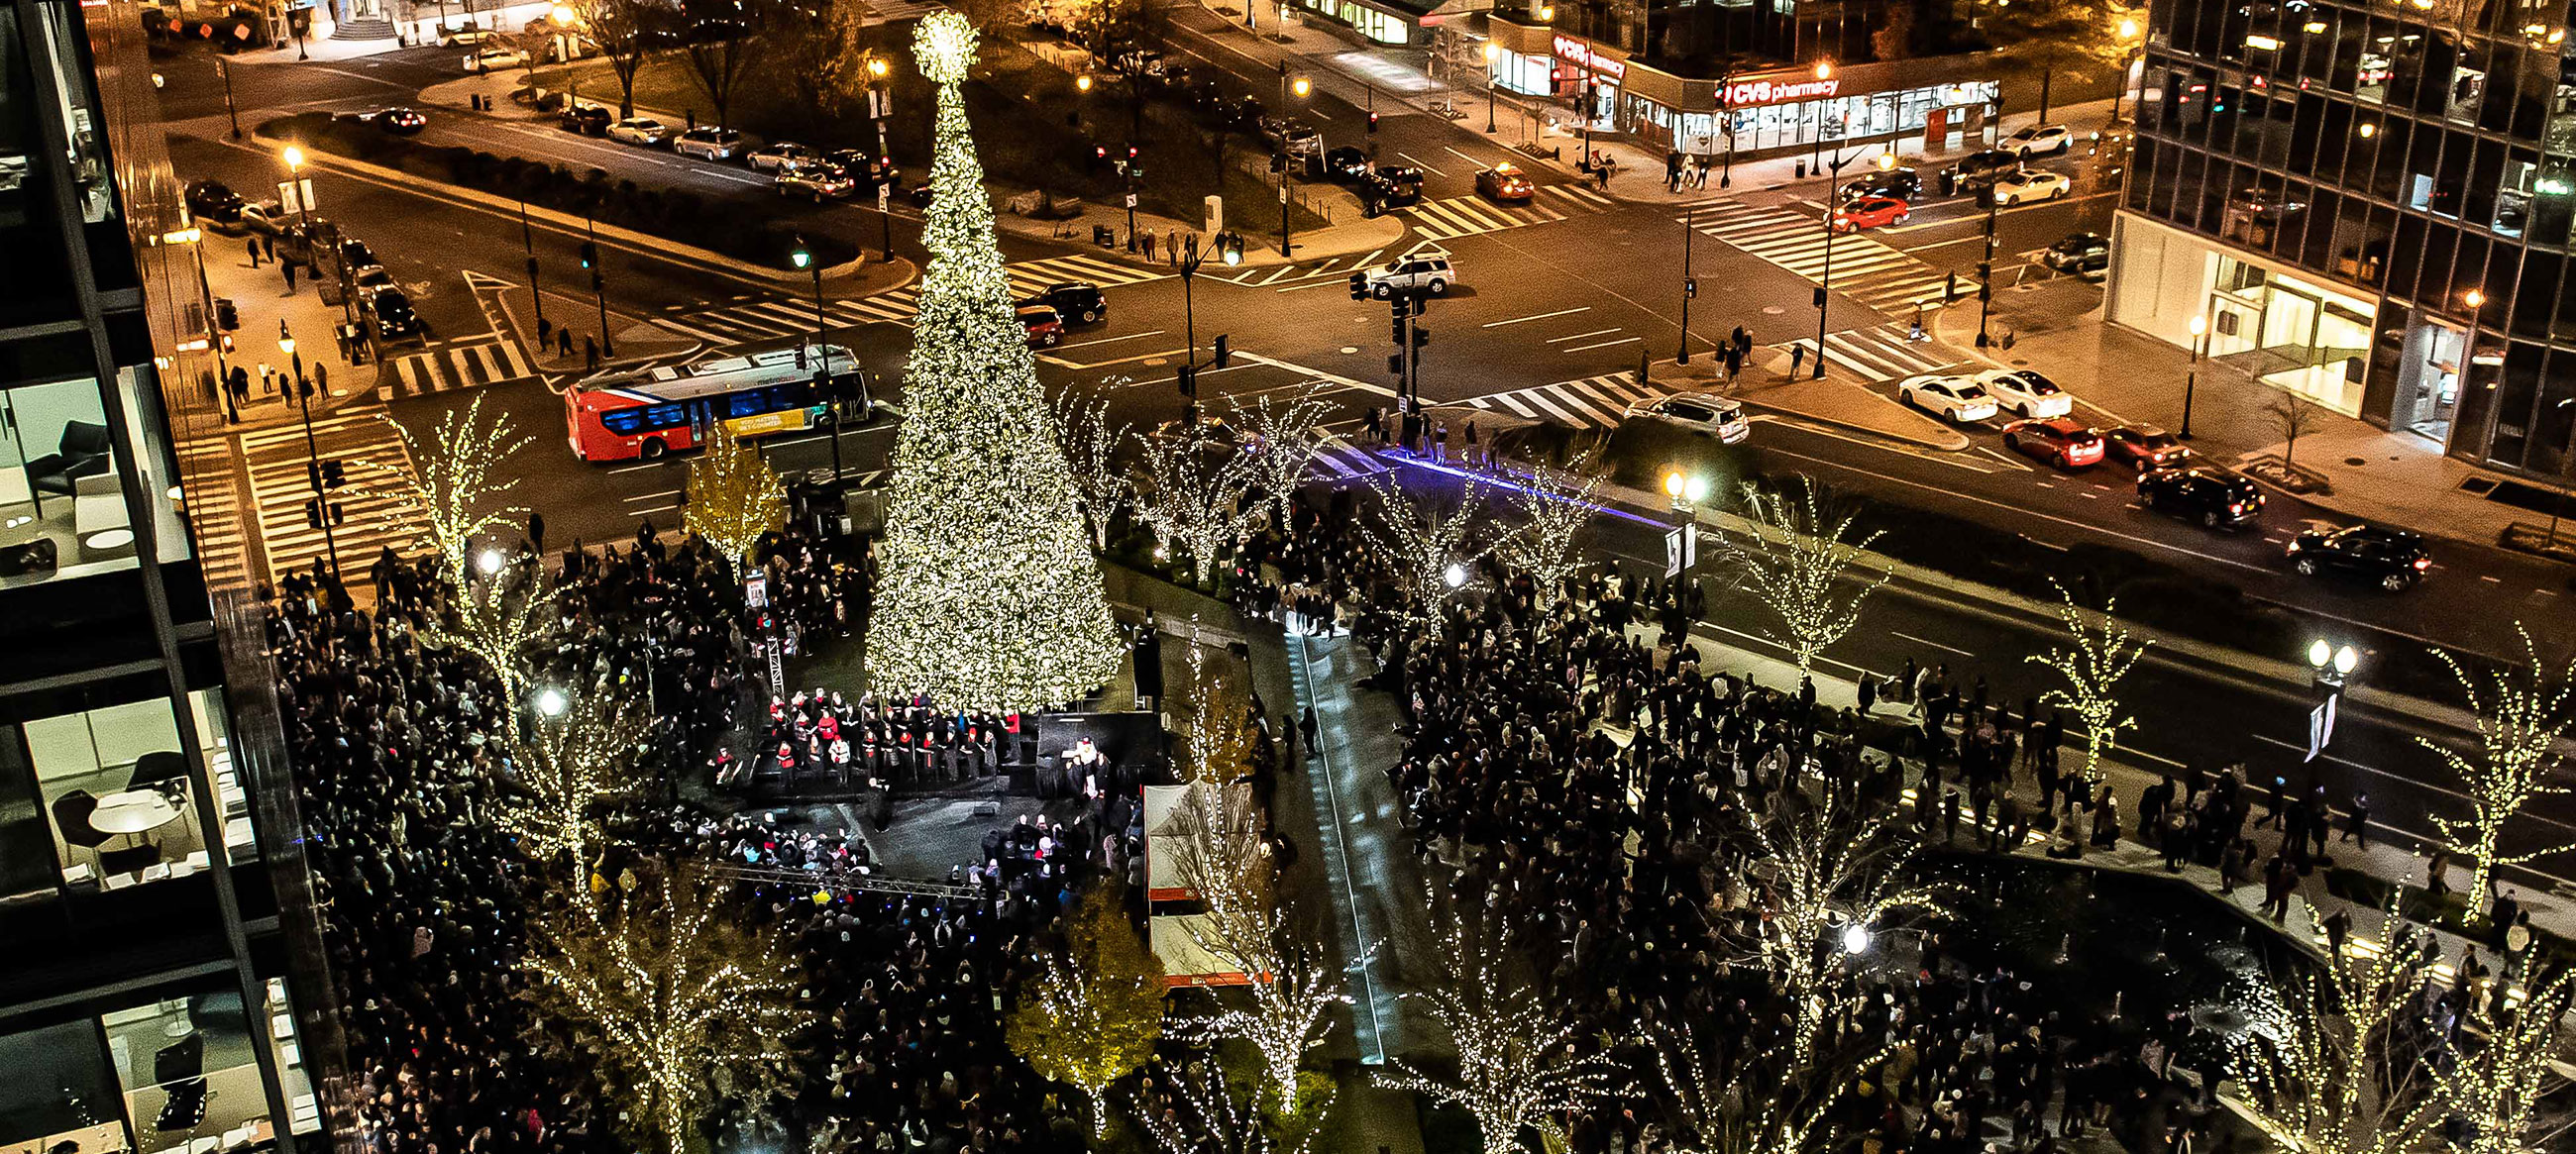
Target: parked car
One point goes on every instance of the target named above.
(819, 181)
(397, 121)
(1706, 415)
(1081, 301)
(2028, 184)
(2392, 559)
(585, 119)
(780, 154)
(1506, 184)
(1298, 138)
(1871, 212)
(1346, 165)
(1901, 183)
(214, 204)
(2061, 440)
(495, 56)
(2078, 252)
(1398, 185)
(2215, 497)
(2039, 139)
(1961, 399)
(1045, 325)
(871, 170)
(708, 143)
(1978, 168)
(641, 131)
(390, 319)
(2145, 448)
(1430, 273)
(463, 35)
(264, 217)
(2027, 393)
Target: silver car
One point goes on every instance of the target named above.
(640, 130)
(708, 143)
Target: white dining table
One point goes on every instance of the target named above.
(133, 811)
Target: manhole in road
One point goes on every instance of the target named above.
(1348, 349)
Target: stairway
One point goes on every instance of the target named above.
(363, 28)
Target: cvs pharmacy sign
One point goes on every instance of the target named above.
(1750, 93)
(1581, 52)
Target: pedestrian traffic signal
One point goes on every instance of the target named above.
(1820, 297)
(227, 316)
(589, 254)
(317, 512)
(1224, 350)
(1359, 286)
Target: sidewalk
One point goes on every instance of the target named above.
(263, 301)
(2373, 474)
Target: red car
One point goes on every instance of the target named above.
(2057, 439)
(1045, 325)
(1505, 183)
(2145, 447)
(1871, 212)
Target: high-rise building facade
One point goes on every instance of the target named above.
(2366, 202)
(146, 996)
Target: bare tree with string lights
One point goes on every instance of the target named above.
(449, 480)
(501, 617)
(2327, 1066)
(1210, 1113)
(2101, 656)
(1196, 497)
(568, 766)
(1101, 484)
(1556, 508)
(682, 1003)
(1521, 1057)
(2507, 1072)
(1434, 547)
(1281, 439)
(1747, 1097)
(1805, 563)
(2522, 711)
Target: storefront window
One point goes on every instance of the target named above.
(1523, 73)
(114, 782)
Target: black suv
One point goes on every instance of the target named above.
(394, 321)
(1346, 165)
(1982, 168)
(2215, 497)
(2392, 559)
(586, 119)
(1077, 301)
(214, 202)
(1902, 183)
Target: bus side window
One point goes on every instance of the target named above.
(670, 416)
(623, 422)
(748, 403)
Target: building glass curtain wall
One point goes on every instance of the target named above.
(2372, 202)
(1378, 26)
(1525, 74)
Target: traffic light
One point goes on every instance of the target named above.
(1395, 365)
(227, 317)
(1189, 380)
(317, 511)
(1224, 351)
(1278, 162)
(1820, 296)
(1359, 286)
(1100, 152)
(1395, 323)
(589, 254)
(1131, 154)
(333, 474)
(802, 256)
(1372, 123)
(1421, 336)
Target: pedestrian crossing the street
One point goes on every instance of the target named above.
(275, 459)
(1594, 402)
(1471, 215)
(1862, 268)
(1341, 460)
(781, 317)
(461, 366)
(1883, 353)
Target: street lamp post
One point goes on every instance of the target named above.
(312, 450)
(804, 259)
(2331, 667)
(1824, 285)
(224, 70)
(2128, 56)
(2191, 379)
(1690, 284)
(1493, 55)
(880, 106)
(528, 241)
(599, 286)
(1190, 322)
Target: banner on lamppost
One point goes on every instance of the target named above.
(2321, 722)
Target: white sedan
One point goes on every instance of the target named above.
(2027, 393)
(1958, 398)
(2054, 139)
(487, 59)
(2031, 184)
(640, 130)
(1709, 416)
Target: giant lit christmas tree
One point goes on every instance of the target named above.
(988, 597)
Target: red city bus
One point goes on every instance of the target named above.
(619, 416)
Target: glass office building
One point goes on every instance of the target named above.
(156, 995)
(2369, 203)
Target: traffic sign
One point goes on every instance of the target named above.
(1131, 200)
(885, 195)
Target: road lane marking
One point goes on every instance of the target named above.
(1603, 345)
(1930, 642)
(1536, 317)
(1463, 156)
(1110, 340)
(1417, 163)
(1115, 361)
(1580, 336)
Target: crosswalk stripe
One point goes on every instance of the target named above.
(1514, 404)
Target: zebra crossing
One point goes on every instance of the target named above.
(461, 366)
(892, 11)
(1883, 353)
(213, 510)
(1470, 215)
(1598, 402)
(275, 461)
(774, 318)
(1333, 268)
(1863, 268)
(1341, 460)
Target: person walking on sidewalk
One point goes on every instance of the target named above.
(253, 246)
(288, 268)
(2356, 824)
(1797, 357)
(590, 354)
(563, 343)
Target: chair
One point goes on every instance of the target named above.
(71, 820)
(159, 767)
(180, 1068)
(81, 452)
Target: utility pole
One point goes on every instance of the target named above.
(1986, 265)
(528, 241)
(1690, 284)
(1825, 286)
(599, 286)
(224, 70)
